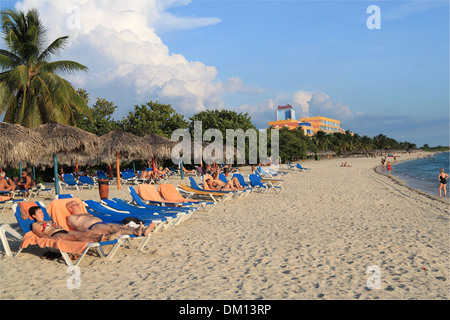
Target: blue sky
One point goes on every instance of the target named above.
(252, 56)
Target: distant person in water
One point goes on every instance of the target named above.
(389, 168)
(442, 182)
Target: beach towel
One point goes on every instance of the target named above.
(148, 192)
(170, 193)
(24, 207)
(67, 246)
(30, 238)
(59, 213)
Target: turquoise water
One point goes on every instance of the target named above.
(422, 174)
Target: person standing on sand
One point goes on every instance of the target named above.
(442, 182)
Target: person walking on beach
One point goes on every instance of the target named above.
(442, 182)
(389, 168)
(383, 167)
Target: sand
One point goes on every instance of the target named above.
(314, 240)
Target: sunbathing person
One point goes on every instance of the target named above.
(188, 171)
(216, 184)
(6, 185)
(49, 229)
(160, 173)
(144, 175)
(87, 222)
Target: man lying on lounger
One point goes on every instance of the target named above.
(209, 183)
(88, 222)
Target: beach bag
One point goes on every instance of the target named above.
(132, 222)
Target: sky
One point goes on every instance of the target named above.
(379, 70)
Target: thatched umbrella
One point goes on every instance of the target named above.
(212, 147)
(161, 146)
(19, 144)
(125, 145)
(69, 141)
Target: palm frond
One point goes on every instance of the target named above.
(63, 66)
(54, 48)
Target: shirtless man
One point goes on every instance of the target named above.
(4, 185)
(216, 184)
(88, 222)
(25, 181)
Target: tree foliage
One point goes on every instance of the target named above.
(222, 120)
(31, 91)
(154, 117)
(101, 121)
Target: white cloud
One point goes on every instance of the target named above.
(305, 104)
(311, 104)
(117, 40)
(302, 98)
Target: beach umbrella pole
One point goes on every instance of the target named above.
(118, 171)
(55, 172)
(181, 169)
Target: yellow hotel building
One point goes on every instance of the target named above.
(327, 125)
(285, 117)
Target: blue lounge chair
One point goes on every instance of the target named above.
(25, 226)
(111, 215)
(169, 210)
(256, 181)
(263, 173)
(87, 182)
(290, 166)
(301, 168)
(243, 183)
(140, 202)
(36, 191)
(223, 178)
(69, 181)
(10, 201)
(273, 181)
(63, 196)
(129, 177)
(156, 211)
(171, 193)
(195, 186)
(234, 193)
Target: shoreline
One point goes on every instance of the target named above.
(404, 183)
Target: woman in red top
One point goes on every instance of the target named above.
(49, 229)
(389, 168)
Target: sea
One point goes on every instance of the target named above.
(422, 173)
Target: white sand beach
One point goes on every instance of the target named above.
(314, 240)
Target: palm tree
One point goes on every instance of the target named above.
(31, 92)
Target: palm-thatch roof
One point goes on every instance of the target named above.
(18, 144)
(71, 144)
(211, 148)
(128, 146)
(161, 146)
